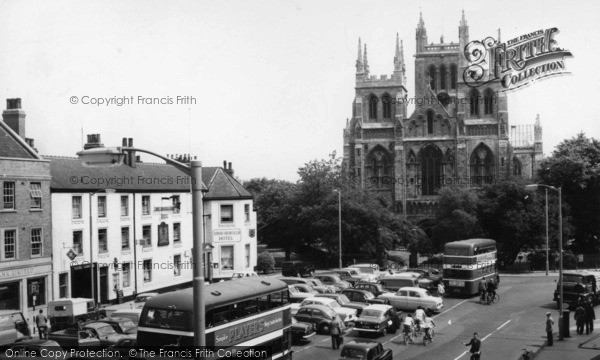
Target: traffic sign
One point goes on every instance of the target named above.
(71, 254)
(207, 247)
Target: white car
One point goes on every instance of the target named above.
(298, 293)
(371, 270)
(409, 298)
(358, 275)
(346, 314)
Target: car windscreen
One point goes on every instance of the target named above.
(105, 331)
(372, 313)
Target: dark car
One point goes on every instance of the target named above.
(432, 274)
(345, 275)
(121, 325)
(366, 350)
(363, 296)
(374, 288)
(379, 319)
(318, 315)
(301, 331)
(345, 302)
(297, 268)
(334, 280)
(106, 333)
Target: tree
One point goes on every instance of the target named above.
(265, 262)
(456, 217)
(575, 166)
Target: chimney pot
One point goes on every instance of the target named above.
(224, 164)
(13, 104)
(93, 141)
(229, 166)
(124, 142)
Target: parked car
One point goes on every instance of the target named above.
(379, 319)
(372, 270)
(366, 350)
(318, 315)
(315, 283)
(333, 280)
(374, 288)
(243, 274)
(409, 298)
(363, 296)
(306, 288)
(302, 331)
(141, 299)
(13, 327)
(25, 349)
(131, 314)
(346, 314)
(405, 279)
(345, 302)
(297, 268)
(344, 275)
(432, 274)
(297, 294)
(69, 338)
(357, 274)
(106, 333)
(121, 325)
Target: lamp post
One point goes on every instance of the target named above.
(339, 225)
(105, 157)
(560, 251)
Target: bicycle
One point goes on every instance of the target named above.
(407, 336)
(488, 299)
(429, 333)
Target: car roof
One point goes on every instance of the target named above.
(316, 306)
(410, 288)
(127, 311)
(380, 307)
(403, 275)
(323, 300)
(362, 291)
(361, 344)
(96, 324)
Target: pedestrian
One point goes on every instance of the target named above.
(475, 345)
(549, 325)
(440, 288)
(580, 318)
(335, 330)
(589, 316)
(42, 324)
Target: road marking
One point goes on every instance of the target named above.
(487, 336)
(460, 303)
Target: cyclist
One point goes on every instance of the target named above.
(475, 345)
(419, 317)
(428, 325)
(482, 289)
(408, 327)
(491, 289)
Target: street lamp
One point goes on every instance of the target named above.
(340, 224)
(105, 157)
(560, 246)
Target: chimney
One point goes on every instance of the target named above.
(228, 170)
(132, 157)
(14, 117)
(124, 144)
(29, 142)
(93, 141)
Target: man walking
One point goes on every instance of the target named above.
(475, 345)
(335, 329)
(41, 322)
(589, 317)
(549, 325)
(580, 318)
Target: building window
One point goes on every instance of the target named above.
(125, 238)
(147, 270)
(247, 254)
(430, 121)
(78, 242)
(227, 257)
(76, 205)
(146, 205)
(8, 196)
(10, 245)
(124, 206)
(177, 265)
(432, 74)
(443, 77)
(453, 76)
(176, 204)
(147, 235)
(126, 274)
(387, 106)
(488, 102)
(36, 242)
(373, 100)
(483, 167)
(101, 206)
(36, 287)
(226, 213)
(102, 241)
(163, 234)
(35, 190)
(247, 212)
(10, 296)
(474, 102)
(63, 287)
(176, 232)
(116, 281)
(517, 167)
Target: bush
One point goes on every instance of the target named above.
(265, 262)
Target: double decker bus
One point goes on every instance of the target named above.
(245, 313)
(466, 262)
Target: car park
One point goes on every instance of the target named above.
(345, 302)
(346, 314)
(374, 288)
(379, 319)
(318, 315)
(409, 298)
(333, 280)
(297, 268)
(301, 331)
(363, 296)
(365, 350)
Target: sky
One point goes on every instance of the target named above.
(272, 81)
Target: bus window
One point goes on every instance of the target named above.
(250, 307)
(263, 303)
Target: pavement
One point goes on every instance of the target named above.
(575, 347)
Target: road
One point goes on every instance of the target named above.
(515, 323)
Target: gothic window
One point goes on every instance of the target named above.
(517, 166)
(453, 76)
(443, 77)
(474, 102)
(379, 167)
(488, 102)
(411, 157)
(432, 77)
(482, 164)
(373, 100)
(431, 169)
(430, 115)
(387, 106)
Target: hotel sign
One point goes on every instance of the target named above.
(227, 235)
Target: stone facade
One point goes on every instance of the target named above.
(456, 135)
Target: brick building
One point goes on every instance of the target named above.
(456, 135)
(25, 219)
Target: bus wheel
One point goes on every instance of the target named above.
(325, 329)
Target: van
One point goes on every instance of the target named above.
(63, 313)
(133, 314)
(395, 282)
(297, 268)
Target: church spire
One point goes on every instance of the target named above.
(463, 20)
(421, 34)
(421, 22)
(366, 62)
(463, 32)
(399, 56)
(359, 63)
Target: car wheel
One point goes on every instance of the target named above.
(325, 329)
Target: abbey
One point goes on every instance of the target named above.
(456, 136)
